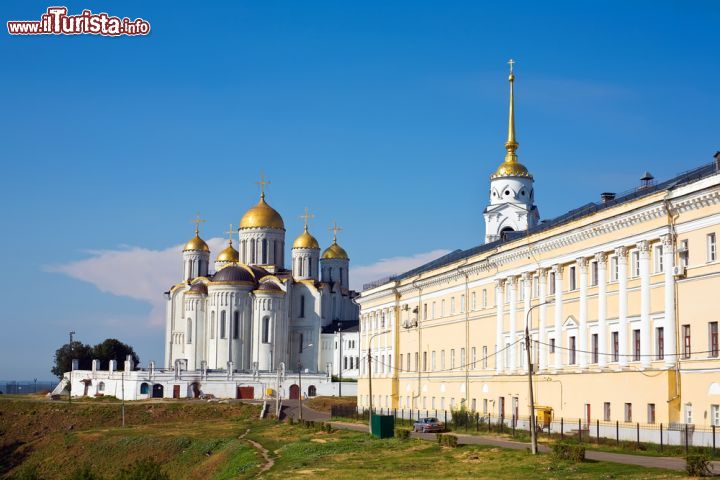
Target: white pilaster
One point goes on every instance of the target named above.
(601, 260)
(582, 264)
(669, 324)
(512, 284)
(621, 253)
(542, 279)
(558, 269)
(499, 302)
(644, 249)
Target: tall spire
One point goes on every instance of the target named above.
(511, 145)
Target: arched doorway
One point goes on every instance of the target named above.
(312, 391)
(294, 392)
(158, 391)
(195, 389)
(144, 388)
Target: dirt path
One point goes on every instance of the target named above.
(269, 462)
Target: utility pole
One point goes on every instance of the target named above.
(533, 432)
(122, 381)
(340, 361)
(71, 369)
(370, 395)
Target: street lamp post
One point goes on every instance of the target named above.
(370, 395)
(533, 433)
(340, 361)
(299, 365)
(71, 369)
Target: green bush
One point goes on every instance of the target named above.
(447, 440)
(402, 433)
(144, 470)
(567, 451)
(698, 465)
(83, 473)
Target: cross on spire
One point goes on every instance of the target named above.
(262, 184)
(197, 221)
(230, 234)
(307, 216)
(511, 62)
(335, 229)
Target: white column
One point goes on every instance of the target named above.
(499, 302)
(512, 283)
(644, 249)
(542, 338)
(558, 269)
(669, 329)
(527, 284)
(621, 253)
(582, 264)
(601, 260)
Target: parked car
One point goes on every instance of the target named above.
(429, 424)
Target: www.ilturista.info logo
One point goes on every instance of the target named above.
(57, 22)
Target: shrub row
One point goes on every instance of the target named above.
(568, 451)
(698, 465)
(447, 440)
(317, 426)
(402, 433)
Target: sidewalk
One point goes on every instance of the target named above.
(668, 463)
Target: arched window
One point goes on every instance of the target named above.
(144, 388)
(299, 267)
(101, 387)
(212, 325)
(236, 325)
(341, 276)
(188, 336)
(252, 250)
(243, 251)
(222, 325)
(302, 306)
(266, 330)
(309, 274)
(264, 252)
(276, 247)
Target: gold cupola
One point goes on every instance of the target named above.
(196, 243)
(335, 251)
(228, 254)
(262, 215)
(305, 240)
(511, 167)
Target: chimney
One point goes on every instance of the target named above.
(607, 197)
(646, 180)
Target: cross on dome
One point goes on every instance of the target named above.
(230, 234)
(335, 229)
(307, 216)
(197, 221)
(262, 184)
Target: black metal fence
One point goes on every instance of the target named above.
(19, 387)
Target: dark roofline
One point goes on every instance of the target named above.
(588, 209)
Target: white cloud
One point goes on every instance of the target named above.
(386, 267)
(133, 272)
(143, 274)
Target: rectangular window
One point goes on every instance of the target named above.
(628, 412)
(424, 361)
(442, 308)
(485, 357)
(713, 338)
(473, 301)
(452, 358)
(715, 415)
(485, 406)
(635, 263)
(484, 298)
(302, 340)
(593, 273)
(433, 310)
(417, 361)
(595, 346)
(473, 352)
(636, 345)
(521, 290)
(711, 248)
(266, 330)
(615, 347)
(684, 253)
(572, 278)
(462, 357)
(407, 362)
(686, 341)
(551, 281)
(658, 254)
(425, 317)
(606, 412)
(536, 286)
(452, 305)
(651, 413)
(552, 345)
(659, 343)
(572, 350)
(401, 360)
(462, 303)
(613, 269)
(442, 359)
(433, 365)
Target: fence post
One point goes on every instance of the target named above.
(445, 418)
(477, 425)
(597, 422)
(714, 452)
(580, 430)
(661, 439)
(395, 414)
(638, 434)
(513, 425)
(687, 448)
(617, 431)
(562, 428)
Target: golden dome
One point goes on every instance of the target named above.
(335, 251)
(196, 243)
(511, 169)
(262, 215)
(229, 254)
(305, 240)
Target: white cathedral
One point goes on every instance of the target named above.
(253, 314)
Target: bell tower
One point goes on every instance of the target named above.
(512, 193)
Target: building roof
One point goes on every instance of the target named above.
(348, 326)
(575, 214)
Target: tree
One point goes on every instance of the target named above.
(113, 349)
(64, 356)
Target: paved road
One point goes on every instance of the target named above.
(291, 409)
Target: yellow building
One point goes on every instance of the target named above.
(620, 297)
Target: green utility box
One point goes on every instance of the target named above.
(382, 426)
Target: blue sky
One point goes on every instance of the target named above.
(385, 116)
